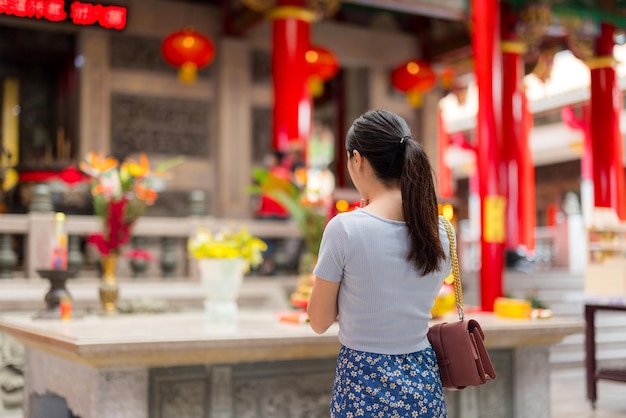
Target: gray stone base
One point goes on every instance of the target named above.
(287, 389)
(281, 389)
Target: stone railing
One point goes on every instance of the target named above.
(23, 239)
(171, 233)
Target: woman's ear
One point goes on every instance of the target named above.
(357, 157)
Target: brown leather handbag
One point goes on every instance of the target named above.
(461, 354)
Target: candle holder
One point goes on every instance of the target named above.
(57, 292)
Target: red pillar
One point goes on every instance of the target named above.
(608, 163)
(488, 69)
(291, 30)
(517, 156)
(583, 124)
(444, 177)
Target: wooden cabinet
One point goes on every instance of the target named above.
(605, 274)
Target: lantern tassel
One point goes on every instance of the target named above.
(316, 86)
(188, 72)
(415, 98)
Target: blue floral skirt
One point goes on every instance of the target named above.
(386, 386)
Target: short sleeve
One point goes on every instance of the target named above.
(331, 258)
(446, 265)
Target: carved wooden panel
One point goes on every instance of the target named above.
(159, 125)
(261, 66)
(261, 133)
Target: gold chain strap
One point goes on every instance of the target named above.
(456, 272)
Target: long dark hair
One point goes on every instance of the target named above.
(384, 138)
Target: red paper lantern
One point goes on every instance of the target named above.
(188, 51)
(414, 78)
(323, 66)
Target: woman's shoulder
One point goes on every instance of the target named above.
(362, 219)
(345, 219)
(352, 216)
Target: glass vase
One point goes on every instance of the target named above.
(221, 280)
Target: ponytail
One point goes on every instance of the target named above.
(419, 206)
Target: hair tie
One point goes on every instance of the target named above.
(404, 139)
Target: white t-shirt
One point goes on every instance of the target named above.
(384, 302)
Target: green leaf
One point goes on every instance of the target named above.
(307, 217)
(169, 164)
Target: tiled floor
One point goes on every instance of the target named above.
(569, 396)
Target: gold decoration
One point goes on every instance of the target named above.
(580, 39)
(533, 24)
(600, 62)
(512, 47)
(315, 9)
(293, 12)
(493, 227)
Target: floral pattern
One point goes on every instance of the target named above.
(387, 386)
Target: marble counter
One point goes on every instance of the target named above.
(122, 363)
(171, 339)
(187, 338)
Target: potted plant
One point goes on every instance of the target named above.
(223, 259)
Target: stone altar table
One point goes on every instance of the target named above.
(157, 366)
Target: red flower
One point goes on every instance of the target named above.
(117, 229)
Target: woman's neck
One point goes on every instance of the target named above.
(386, 203)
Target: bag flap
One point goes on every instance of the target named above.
(472, 325)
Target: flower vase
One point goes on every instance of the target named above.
(221, 280)
(109, 291)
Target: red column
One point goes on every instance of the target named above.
(488, 69)
(291, 30)
(583, 124)
(517, 156)
(608, 163)
(444, 177)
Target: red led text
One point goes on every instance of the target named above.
(85, 14)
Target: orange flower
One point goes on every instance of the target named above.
(145, 193)
(96, 163)
(97, 189)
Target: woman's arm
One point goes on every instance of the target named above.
(322, 307)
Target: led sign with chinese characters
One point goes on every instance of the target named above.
(80, 13)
